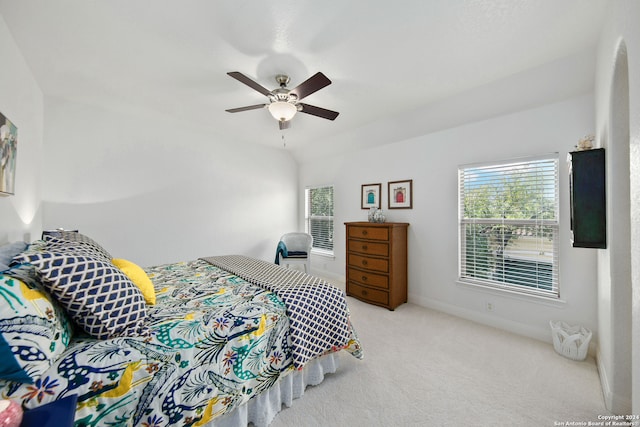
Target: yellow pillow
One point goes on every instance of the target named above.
(137, 275)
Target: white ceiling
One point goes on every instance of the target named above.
(399, 69)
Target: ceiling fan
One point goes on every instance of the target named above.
(285, 103)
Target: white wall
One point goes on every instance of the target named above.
(21, 102)
(618, 130)
(431, 161)
(154, 190)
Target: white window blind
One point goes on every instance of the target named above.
(319, 217)
(509, 225)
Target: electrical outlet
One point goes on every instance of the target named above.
(489, 306)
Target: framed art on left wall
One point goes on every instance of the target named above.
(8, 151)
(370, 196)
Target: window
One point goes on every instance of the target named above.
(319, 217)
(509, 225)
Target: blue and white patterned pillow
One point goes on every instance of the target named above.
(78, 240)
(71, 247)
(35, 247)
(96, 294)
(34, 330)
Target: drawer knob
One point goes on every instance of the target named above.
(364, 232)
(364, 262)
(364, 278)
(364, 293)
(364, 247)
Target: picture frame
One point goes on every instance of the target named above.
(401, 194)
(8, 151)
(370, 196)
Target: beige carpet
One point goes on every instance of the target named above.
(425, 368)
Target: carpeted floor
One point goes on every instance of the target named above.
(426, 368)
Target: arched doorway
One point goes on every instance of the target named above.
(615, 279)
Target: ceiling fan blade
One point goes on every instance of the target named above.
(317, 111)
(284, 124)
(250, 107)
(311, 85)
(246, 80)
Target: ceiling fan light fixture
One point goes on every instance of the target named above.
(282, 111)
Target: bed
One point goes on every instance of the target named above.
(215, 341)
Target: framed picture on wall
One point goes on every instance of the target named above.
(370, 196)
(8, 151)
(401, 194)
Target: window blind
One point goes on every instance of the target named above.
(509, 224)
(319, 217)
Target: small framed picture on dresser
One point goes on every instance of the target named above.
(401, 194)
(370, 195)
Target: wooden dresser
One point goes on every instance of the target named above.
(376, 267)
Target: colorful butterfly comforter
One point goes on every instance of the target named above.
(216, 341)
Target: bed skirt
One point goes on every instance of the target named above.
(262, 409)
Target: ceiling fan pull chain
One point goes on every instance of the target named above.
(284, 142)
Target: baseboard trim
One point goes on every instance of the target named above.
(613, 402)
(540, 334)
(486, 319)
(604, 382)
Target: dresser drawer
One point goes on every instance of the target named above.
(372, 233)
(372, 248)
(370, 279)
(371, 295)
(368, 263)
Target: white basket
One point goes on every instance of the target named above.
(570, 341)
